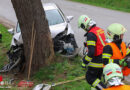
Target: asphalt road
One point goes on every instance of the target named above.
(102, 16)
(7, 13)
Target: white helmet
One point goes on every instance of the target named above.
(115, 30)
(85, 22)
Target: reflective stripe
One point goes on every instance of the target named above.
(96, 82)
(100, 31)
(87, 58)
(93, 43)
(99, 86)
(128, 51)
(105, 55)
(83, 64)
(111, 60)
(98, 65)
(92, 88)
(101, 40)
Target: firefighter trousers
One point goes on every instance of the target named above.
(93, 77)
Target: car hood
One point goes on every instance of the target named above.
(56, 29)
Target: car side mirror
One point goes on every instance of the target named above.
(69, 18)
(11, 31)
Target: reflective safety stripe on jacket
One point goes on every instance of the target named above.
(118, 54)
(96, 65)
(100, 40)
(120, 87)
(92, 63)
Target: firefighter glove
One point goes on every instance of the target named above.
(123, 62)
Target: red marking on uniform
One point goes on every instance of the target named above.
(85, 19)
(118, 71)
(108, 33)
(109, 73)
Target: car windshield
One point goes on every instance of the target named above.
(54, 17)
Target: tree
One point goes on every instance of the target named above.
(32, 21)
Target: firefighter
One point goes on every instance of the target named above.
(93, 59)
(113, 77)
(116, 50)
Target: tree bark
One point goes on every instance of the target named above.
(30, 14)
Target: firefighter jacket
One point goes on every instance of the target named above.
(95, 43)
(100, 40)
(113, 52)
(121, 87)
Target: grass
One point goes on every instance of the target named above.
(4, 46)
(62, 70)
(121, 5)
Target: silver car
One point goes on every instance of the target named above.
(59, 26)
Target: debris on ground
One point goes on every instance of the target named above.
(5, 82)
(48, 86)
(25, 83)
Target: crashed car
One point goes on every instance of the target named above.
(61, 32)
(60, 28)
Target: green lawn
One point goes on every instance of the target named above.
(4, 45)
(62, 70)
(121, 5)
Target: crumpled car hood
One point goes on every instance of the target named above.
(56, 29)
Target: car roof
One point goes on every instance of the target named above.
(49, 6)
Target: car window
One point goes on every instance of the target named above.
(18, 28)
(54, 17)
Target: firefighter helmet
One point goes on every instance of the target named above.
(83, 22)
(112, 70)
(115, 30)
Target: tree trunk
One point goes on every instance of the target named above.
(31, 17)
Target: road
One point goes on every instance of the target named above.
(7, 13)
(102, 16)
